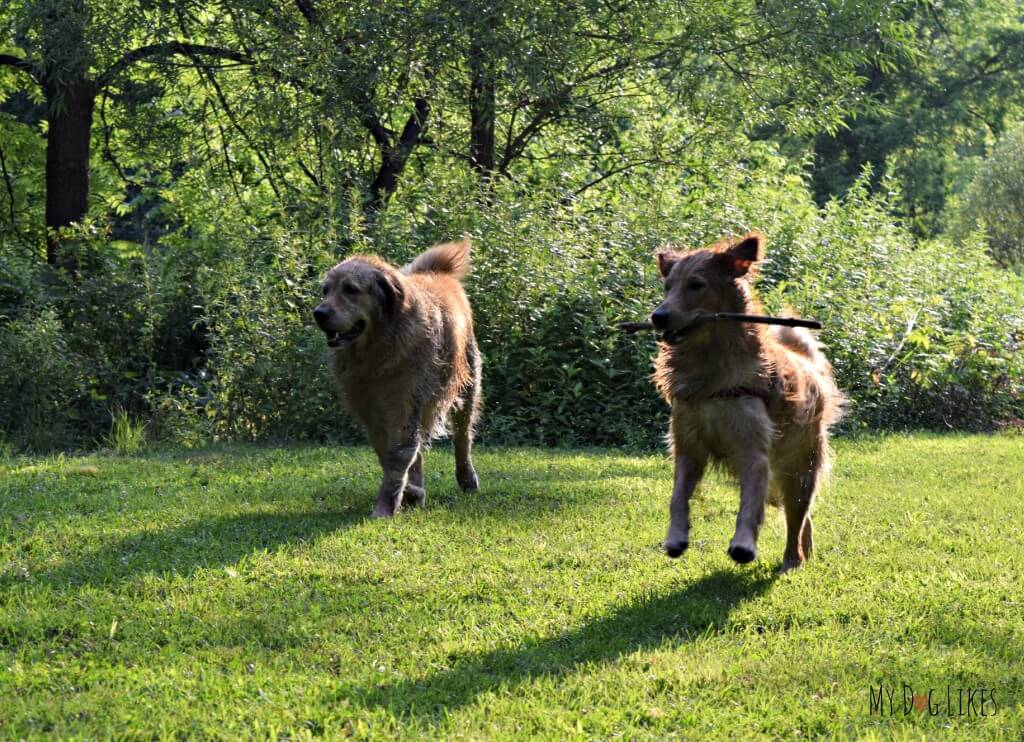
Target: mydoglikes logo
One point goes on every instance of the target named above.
(903, 699)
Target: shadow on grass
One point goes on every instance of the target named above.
(683, 615)
(210, 542)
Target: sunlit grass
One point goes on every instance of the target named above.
(243, 591)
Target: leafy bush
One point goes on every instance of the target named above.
(920, 334)
(210, 336)
(42, 384)
(994, 201)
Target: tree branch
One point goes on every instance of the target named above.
(212, 79)
(8, 181)
(614, 171)
(167, 49)
(394, 158)
(9, 60)
(308, 10)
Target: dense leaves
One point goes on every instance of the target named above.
(234, 151)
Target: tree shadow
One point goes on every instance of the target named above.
(206, 542)
(701, 607)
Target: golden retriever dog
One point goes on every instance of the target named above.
(756, 400)
(406, 364)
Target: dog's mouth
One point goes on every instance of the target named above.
(674, 336)
(342, 339)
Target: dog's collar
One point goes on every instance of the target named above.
(735, 392)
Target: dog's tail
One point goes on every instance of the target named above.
(803, 342)
(451, 258)
(800, 340)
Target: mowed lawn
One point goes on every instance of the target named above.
(243, 592)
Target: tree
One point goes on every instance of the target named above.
(347, 94)
(947, 92)
(994, 201)
(72, 57)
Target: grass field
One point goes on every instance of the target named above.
(243, 591)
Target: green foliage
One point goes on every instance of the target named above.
(42, 384)
(921, 334)
(994, 202)
(220, 344)
(937, 101)
(127, 435)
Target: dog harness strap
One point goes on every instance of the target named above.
(739, 391)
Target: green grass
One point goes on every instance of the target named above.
(243, 592)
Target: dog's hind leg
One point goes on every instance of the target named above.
(798, 495)
(464, 417)
(687, 476)
(807, 537)
(797, 504)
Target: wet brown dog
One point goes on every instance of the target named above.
(405, 360)
(755, 400)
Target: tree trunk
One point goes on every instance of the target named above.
(481, 114)
(395, 157)
(67, 161)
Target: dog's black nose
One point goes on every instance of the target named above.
(320, 314)
(660, 318)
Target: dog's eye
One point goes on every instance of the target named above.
(695, 285)
(350, 288)
(323, 291)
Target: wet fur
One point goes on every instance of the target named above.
(415, 370)
(777, 446)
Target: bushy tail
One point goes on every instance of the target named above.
(803, 342)
(451, 258)
(800, 340)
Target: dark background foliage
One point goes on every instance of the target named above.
(175, 176)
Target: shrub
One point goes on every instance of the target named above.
(920, 334)
(42, 384)
(994, 201)
(210, 335)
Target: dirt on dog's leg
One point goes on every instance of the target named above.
(464, 418)
(753, 489)
(414, 493)
(687, 476)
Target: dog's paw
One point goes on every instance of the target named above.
(414, 496)
(788, 564)
(382, 512)
(742, 554)
(468, 480)
(675, 548)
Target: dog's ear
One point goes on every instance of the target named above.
(741, 256)
(390, 286)
(666, 259)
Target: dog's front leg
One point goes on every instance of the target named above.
(397, 458)
(396, 463)
(753, 489)
(688, 474)
(414, 493)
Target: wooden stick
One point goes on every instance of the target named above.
(811, 324)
